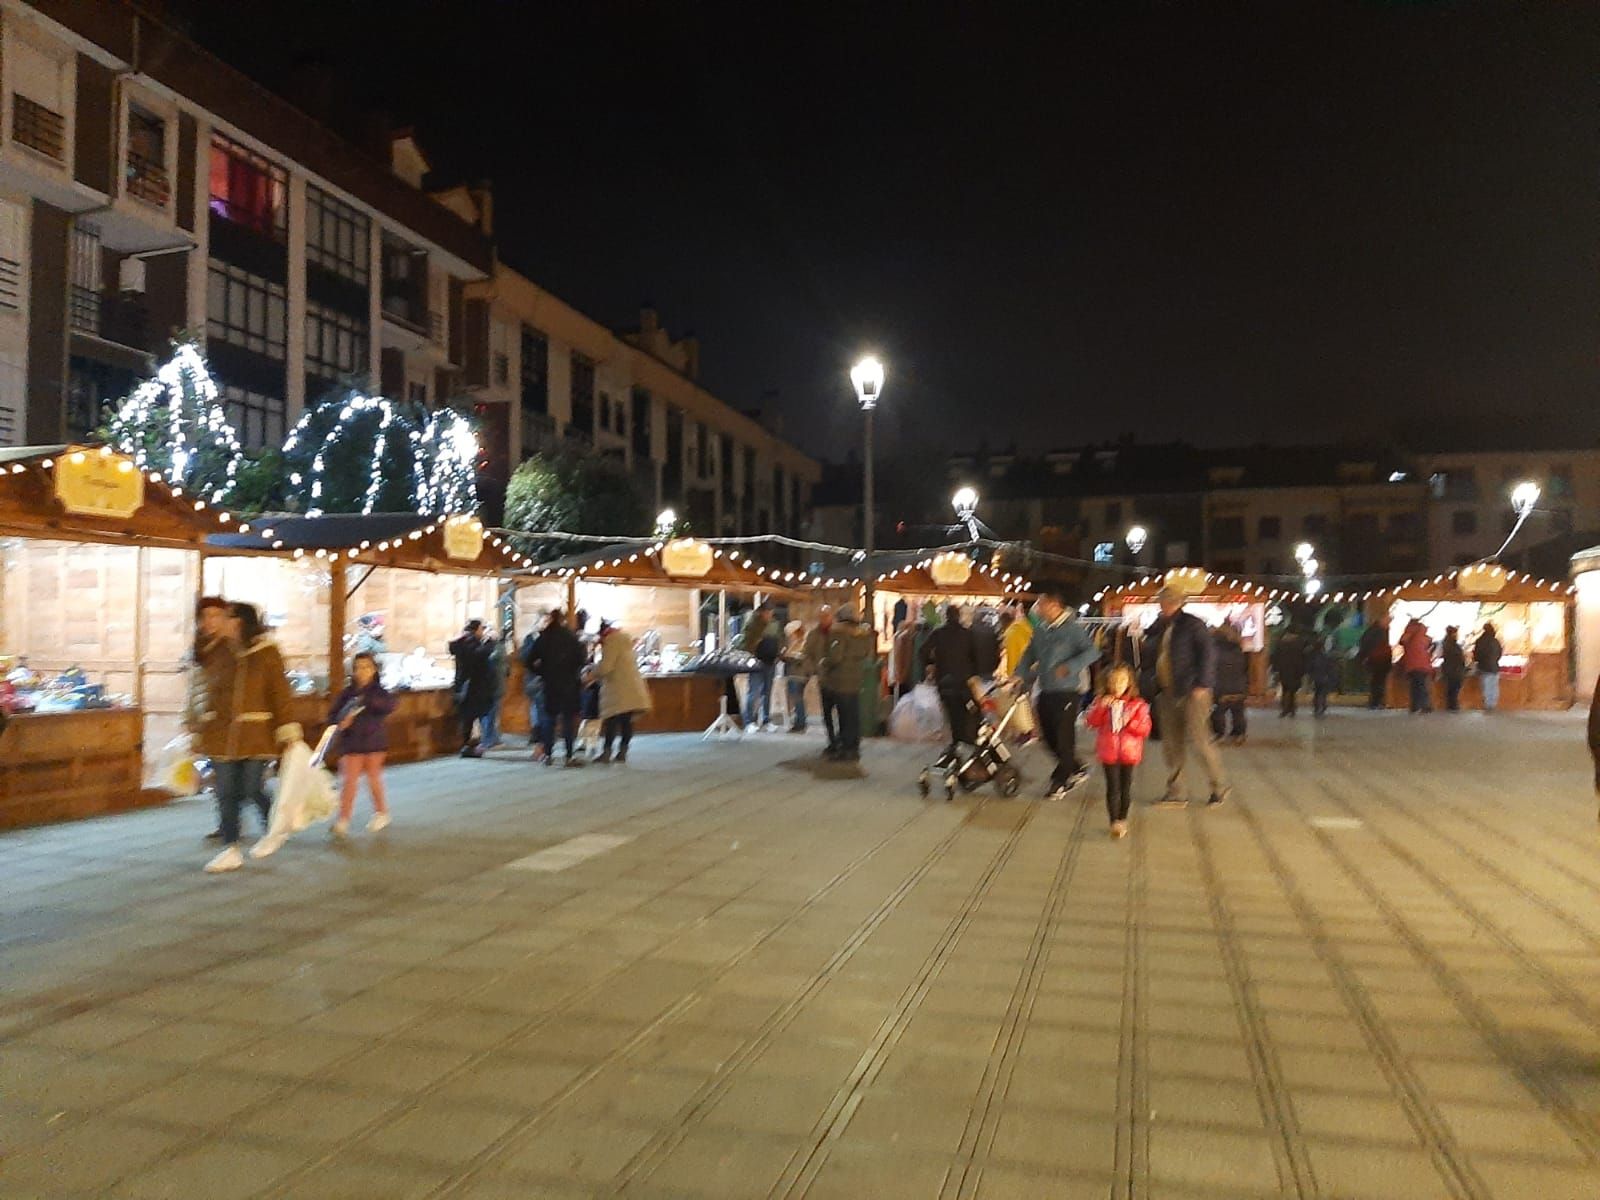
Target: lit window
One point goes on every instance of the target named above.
(245, 310)
(248, 190)
(1105, 552)
(338, 236)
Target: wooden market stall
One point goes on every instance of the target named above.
(99, 567)
(1531, 616)
(399, 584)
(1215, 599)
(662, 594)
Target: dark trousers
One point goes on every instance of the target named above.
(1379, 676)
(830, 715)
(1452, 693)
(1319, 699)
(958, 710)
(848, 707)
(1289, 704)
(1119, 790)
(238, 784)
(618, 726)
(1228, 716)
(467, 725)
(569, 729)
(1058, 722)
(1421, 701)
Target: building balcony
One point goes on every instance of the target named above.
(38, 128)
(116, 317)
(147, 180)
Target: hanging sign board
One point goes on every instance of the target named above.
(1481, 579)
(463, 538)
(687, 558)
(92, 483)
(950, 570)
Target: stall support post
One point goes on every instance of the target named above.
(722, 619)
(141, 611)
(572, 599)
(338, 603)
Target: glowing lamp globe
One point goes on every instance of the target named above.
(867, 376)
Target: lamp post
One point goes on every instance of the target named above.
(1306, 555)
(965, 502)
(1136, 539)
(867, 376)
(666, 522)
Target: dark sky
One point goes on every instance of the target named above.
(1222, 222)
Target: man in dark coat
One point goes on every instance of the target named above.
(1289, 661)
(951, 657)
(558, 656)
(1377, 656)
(985, 644)
(475, 686)
(1233, 686)
(1185, 658)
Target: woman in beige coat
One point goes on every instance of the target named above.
(622, 690)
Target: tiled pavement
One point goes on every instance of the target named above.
(1373, 975)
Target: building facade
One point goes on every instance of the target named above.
(149, 191)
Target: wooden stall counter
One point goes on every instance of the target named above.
(63, 766)
(1539, 684)
(681, 703)
(422, 726)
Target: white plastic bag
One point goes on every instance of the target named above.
(305, 790)
(919, 717)
(177, 768)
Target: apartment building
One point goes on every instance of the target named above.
(545, 377)
(1470, 512)
(149, 190)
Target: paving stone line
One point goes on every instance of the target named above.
(1479, 1015)
(702, 1099)
(1133, 1060)
(1426, 1117)
(1448, 1156)
(1295, 1173)
(983, 1118)
(806, 1163)
(1571, 998)
(1386, 795)
(285, 1186)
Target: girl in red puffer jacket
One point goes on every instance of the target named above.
(1124, 723)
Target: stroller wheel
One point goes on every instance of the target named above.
(922, 784)
(949, 787)
(1009, 780)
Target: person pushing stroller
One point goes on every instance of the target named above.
(950, 659)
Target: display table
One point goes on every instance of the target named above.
(681, 703)
(422, 726)
(63, 766)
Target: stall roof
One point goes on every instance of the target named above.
(641, 564)
(166, 518)
(1513, 586)
(413, 541)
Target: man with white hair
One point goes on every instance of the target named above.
(1185, 658)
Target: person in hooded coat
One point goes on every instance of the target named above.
(559, 657)
(474, 687)
(623, 693)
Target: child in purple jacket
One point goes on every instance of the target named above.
(362, 742)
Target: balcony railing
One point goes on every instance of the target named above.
(38, 128)
(83, 310)
(438, 331)
(10, 283)
(147, 179)
(112, 317)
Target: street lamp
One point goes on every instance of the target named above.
(1303, 551)
(1523, 497)
(1306, 555)
(666, 521)
(867, 376)
(965, 502)
(1136, 538)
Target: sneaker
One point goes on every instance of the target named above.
(1119, 829)
(1079, 778)
(229, 860)
(1172, 802)
(340, 829)
(603, 758)
(215, 835)
(831, 753)
(379, 822)
(622, 756)
(269, 844)
(573, 762)
(1218, 797)
(1059, 792)
(797, 729)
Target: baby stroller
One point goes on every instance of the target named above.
(988, 758)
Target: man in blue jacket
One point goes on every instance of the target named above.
(1185, 658)
(1060, 652)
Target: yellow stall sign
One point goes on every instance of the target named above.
(99, 483)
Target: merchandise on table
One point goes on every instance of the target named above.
(23, 690)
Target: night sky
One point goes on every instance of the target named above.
(1227, 223)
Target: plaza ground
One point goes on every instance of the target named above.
(725, 971)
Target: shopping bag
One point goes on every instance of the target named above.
(919, 717)
(304, 792)
(177, 768)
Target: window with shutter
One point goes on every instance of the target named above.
(12, 250)
(38, 84)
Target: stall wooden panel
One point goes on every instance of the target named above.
(293, 597)
(63, 766)
(681, 703)
(422, 726)
(420, 608)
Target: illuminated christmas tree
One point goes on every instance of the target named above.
(364, 454)
(176, 425)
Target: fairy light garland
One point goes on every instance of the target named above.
(184, 398)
